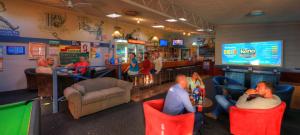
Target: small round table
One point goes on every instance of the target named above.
(206, 103)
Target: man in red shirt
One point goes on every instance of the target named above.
(81, 66)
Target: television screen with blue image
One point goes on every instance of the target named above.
(265, 53)
(163, 42)
(15, 50)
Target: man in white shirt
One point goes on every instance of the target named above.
(157, 62)
(260, 98)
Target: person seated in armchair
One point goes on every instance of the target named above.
(80, 67)
(43, 67)
(260, 98)
(178, 102)
(195, 81)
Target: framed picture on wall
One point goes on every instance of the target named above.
(1, 64)
(1, 51)
(36, 50)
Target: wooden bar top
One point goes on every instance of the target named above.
(168, 64)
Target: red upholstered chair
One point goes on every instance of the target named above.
(159, 123)
(255, 121)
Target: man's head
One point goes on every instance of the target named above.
(82, 59)
(50, 61)
(264, 89)
(181, 80)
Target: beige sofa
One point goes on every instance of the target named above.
(93, 95)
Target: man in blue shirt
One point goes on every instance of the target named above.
(178, 102)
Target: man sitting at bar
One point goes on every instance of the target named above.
(259, 98)
(178, 102)
(80, 67)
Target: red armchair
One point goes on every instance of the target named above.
(158, 123)
(256, 122)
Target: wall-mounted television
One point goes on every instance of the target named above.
(177, 42)
(264, 53)
(15, 50)
(163, 42)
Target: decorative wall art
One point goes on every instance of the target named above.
(86, 24)
(6, 27)
(36, 50)
(1, 51)
(54, 23)
(85, 47)
(53, 50)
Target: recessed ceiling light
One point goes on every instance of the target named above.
(182, 19)
(256, 13)
(200, 29)
(171, 20)
(210, 30)
(158, 26)
(114, 15)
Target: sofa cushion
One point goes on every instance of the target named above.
(99, 95)
(98, 83)
(79, 88)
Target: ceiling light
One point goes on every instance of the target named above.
(154, 38)
(171, 20)
(158, 26)
(138, 20)
(200, 29)
(256, 13)
(182, 19)
(114, 15)
(183, 33)
(210, 30)
(188, 34)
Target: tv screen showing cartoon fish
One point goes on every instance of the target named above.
(265, 53)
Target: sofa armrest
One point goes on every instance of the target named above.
(74, 101)
(125, 85)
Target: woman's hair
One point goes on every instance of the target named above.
(147, 55)
(133, 54)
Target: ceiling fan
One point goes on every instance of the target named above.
(67, 3)
(71, 4)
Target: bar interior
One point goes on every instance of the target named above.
(153, 67)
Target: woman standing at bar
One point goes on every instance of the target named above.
(133, 68)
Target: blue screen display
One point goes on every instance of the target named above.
(266, 53)
(15, 50)
(163, 42)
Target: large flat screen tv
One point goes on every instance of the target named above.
(163, 42)
(265, 53)
(178, 42)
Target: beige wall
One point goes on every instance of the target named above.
(289, 33)
(31, 19)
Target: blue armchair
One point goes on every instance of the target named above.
(219, 82)
(285, 92)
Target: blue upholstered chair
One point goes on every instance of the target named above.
(219, 82)
(285, 92)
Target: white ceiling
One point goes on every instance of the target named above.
(218, 12)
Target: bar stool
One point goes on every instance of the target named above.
(170, 74)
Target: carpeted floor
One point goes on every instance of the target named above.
(125, 119)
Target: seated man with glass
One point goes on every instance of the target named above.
(178, 102)
(260, 98)
(81, 67)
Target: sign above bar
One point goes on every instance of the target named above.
(136, 41)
